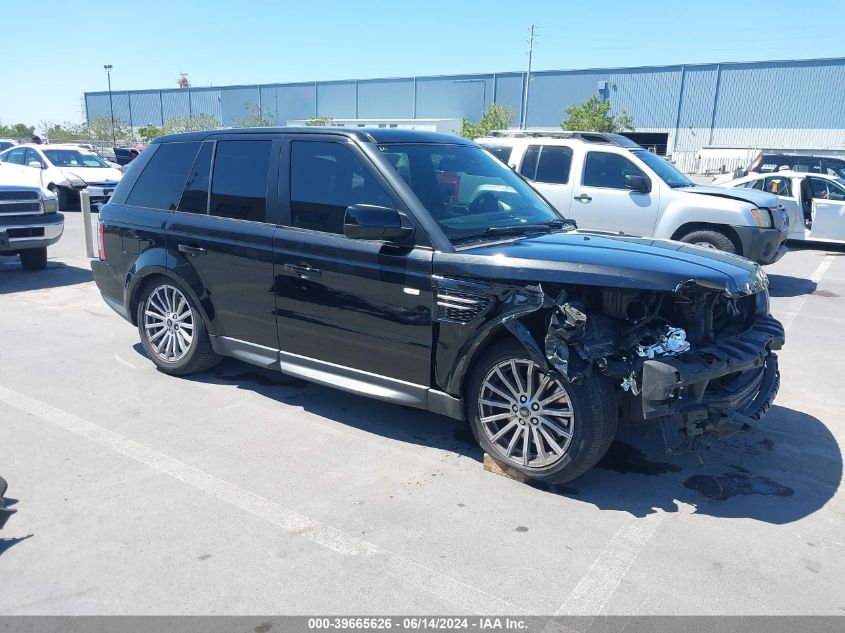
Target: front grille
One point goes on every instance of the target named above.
(461, 307)
(20, 207)
(30, 231)
(18, 195)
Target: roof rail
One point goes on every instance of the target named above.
(587, 137)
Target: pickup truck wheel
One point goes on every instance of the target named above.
(172, 330)
(710, 239)
(529, 420)
(34, 258)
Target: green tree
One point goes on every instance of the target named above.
(149, 132)
(256, 116)
(18, 130)
(495, 117)
(61, 132)
(320, 121)
(193, 123)
(100, 131)
(594, 116)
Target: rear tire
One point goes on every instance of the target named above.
(710, 239)
(34, 258)
(566, 435)
(172, 330)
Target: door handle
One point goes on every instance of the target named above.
(303, 272)
(191, 250)
(583, 198)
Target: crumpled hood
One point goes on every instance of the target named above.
(601, 259)
(753, 196)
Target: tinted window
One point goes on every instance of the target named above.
(239, 182)
(779, 185)
(16, 156)
(554, 164)
(608, 170)
(502, 152)
(195, 197)
(834, 167)
(161, 183)
(529, 162)
(325, 178)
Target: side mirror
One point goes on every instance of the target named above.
(637, 183)
(36, 164)
(370, 222)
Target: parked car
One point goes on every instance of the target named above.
(335, 256)
(607, 182)
(29, 219)
(6, 143)
(814, 202)
(767, 163)
(67, 170)
(125, 155)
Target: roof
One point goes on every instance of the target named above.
(44, 146)
(788, 173)
(363, 135)
(551, 134)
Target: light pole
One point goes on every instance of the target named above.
(527, 78)
(108, 68)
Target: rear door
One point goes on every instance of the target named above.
(602, 201)
(788, 192)
(549, 167)
(363, 305)
(222, 235)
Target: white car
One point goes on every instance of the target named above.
(814, 202)
(607, 182)
(67, 169)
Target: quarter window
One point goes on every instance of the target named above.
(779, 185)
(326, 178)
(15, 156)
(239, 182)
(195, 197)
(502, 152)
(608, 171)
(161, 183)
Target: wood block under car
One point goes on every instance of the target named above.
(494, 467)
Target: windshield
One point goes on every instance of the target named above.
(468, 192)
(73, 158)
(665, 170)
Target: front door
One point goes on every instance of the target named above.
(827, 211)
(223, 235)
(358, 304)
(788, 191)
(602, 201)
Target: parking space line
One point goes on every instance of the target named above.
(797, 303)
(466, 597)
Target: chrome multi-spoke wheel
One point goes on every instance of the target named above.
(526, 414)
(168, 322)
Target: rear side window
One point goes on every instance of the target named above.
(325, 178)
(239, 182)
(161, 183)
(15, 156)
(554, 164)
(502, 152)
(195, 197)
(779, 185)
(529, 162)
(602, 169)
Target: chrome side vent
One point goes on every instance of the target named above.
(461, 307)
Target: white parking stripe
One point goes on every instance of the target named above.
(467, 598)
(797, 303)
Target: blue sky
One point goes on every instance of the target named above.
(62, 46)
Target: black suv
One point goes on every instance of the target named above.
(414, 267)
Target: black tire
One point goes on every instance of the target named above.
(199, 356)
(711, 238)
(34, 258)
(593, 423)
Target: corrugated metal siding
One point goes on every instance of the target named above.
(206, 101)
(383, 98)
(146, 108)
(336, 99)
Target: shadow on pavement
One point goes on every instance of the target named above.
(13, 278)
(786, 469)
(8, 543)
(784, 286)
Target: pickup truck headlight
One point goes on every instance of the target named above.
(51, 205)
(762, 217)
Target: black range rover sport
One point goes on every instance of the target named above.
(414, 267)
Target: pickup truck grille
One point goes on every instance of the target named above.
(19, 207)
(29, 231)
(18, 195)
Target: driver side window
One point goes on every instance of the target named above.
(32, 157)
(608, 171)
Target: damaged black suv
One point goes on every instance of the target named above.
(414, 267)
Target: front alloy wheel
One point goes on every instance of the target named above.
(525, 414)
(169, 323)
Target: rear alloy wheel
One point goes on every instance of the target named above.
(528, 419)
(172, 330)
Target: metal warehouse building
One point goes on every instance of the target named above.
(703, 115)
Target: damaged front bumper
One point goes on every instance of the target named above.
(718, 387)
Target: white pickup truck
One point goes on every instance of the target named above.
(607, 182)
(29, 219)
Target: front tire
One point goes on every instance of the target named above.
(526, 419)
(172, 330)
(710, 239)
(34, 258)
